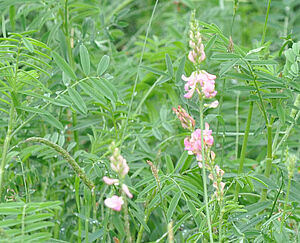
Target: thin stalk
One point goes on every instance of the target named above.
(237, 126)
(204, 173)
(137, 74)
(80, 172)
(6, 146)
(244, 147)
(72, 64)
(266, 22)
(268, 160)
(146, 217)
(126, 217)
(221, 221)
(286, 203)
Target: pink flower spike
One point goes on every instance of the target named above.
(126, 190)
(115, 203)
(110, 181)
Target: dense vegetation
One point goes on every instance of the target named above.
(91, 149)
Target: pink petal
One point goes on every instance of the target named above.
(110, 181)
(115, 203)
(126, 190)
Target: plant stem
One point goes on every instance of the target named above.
(80, 172)
(286, 203)
(244, 147)
(266, 22)
(126, 217)
(268, 160)
(6, 146)
(204, 173)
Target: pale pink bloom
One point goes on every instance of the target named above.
(200, 164)
(205, 81)
(222, 185)
(219, 171)
(215, 185)
(212, 105)
(192, 56)
(210, 176)
(126, 190)
(212, 155)
(119, 165)
(110, 181)
(114, 202)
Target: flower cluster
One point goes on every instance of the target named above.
(197, 54)
(186, 120)
(120, 166)
(201, 81)
(216, 176)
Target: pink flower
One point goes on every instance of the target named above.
(126, 190)
(186, 120)
(219, 171)
(212, 105)
(210, 176)
(205, 81)
(193, 144)
(110, 181)
(115, 203)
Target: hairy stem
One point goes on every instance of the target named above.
(78, 170)
(244, 147)
(204, 173)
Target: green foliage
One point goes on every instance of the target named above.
(84, 74)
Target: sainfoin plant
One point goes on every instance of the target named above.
(149, 121)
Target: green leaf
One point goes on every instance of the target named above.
(85, 59)
(63, 65)
(280, 112)
(103, 65)
(139, 217)
(181, 160)
(180, 71)
(173, 205)
(78, 101)
(28, 45)
(169, 65)
(53, 121)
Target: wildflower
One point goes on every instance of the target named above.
(186, 120)
(193, 144)
(197, 54)
(206, 82)
(118, 163)
(219, 171)
(212, 105)
(110, 181)
(115, 203)
(126, 190)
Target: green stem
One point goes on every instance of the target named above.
(204, 173)
(285, 203)
(266, 22)
(6, 146)
(76, 136)
(244, 147)
(80, 172)
(221, 221)
(268, 160)
(126, 217)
